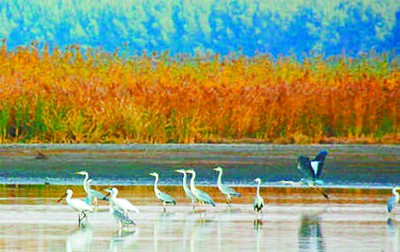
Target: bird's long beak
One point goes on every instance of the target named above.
(61, 198)
(108, 190)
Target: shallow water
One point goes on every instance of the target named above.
(346, 165)
(317, 227)
(357, 178)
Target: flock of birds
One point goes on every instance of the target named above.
(119, 208)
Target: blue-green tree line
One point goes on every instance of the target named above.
(294, 27)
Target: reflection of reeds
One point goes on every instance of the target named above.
(144, 195)
(73, 97)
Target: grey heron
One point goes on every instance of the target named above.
(312, 170)
(201, 196)
(229, 192)
(161, 196)
(91, 193)
(258, 200)
(188, 193)
(77, 204)
(120, 217)
(393, 201)
(122, 205)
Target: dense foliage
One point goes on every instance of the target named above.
(66, 96)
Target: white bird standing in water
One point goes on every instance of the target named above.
(161, 196)
(120, 217)
(229, 192)
(258, 200)
(78, 205)
(121, 204)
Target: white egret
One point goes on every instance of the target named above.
(229, 192)
(121, 218)
(161, 196)
(78, 205)
(122, 205)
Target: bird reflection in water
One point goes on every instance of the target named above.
(258, 230)
(393, 231)
(310, 233)
(80, 239)
(162, 225)
(123, 239)
(202, 231)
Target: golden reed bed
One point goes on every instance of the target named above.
(71, 96)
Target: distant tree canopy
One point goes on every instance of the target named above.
(217, 26)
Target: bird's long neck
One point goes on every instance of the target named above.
(192, 186)
(396, 194)
(184, 181)
(155, 185)
(111, 208)
(85, 183)
(113, 195)
(258, 189)
(220, 178)
(68, 198)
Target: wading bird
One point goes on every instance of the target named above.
(229, 192)
(121, 218)
(122, 205)
(161, 196)
(188, 193)
(91, 193)
(202, 197)
(393, 201)
(258, 200)
(312, 170)
(78, 205)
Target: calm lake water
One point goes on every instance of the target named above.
(357, 177)
(345, 166)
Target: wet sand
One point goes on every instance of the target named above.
(316, 227)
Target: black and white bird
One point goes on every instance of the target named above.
(312, 170)
(258, 203)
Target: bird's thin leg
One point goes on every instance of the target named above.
(84, 216)
(228, 201)
(198, 202)
(79, 219)
(164, 207)
(321, 191)
(96, 204)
